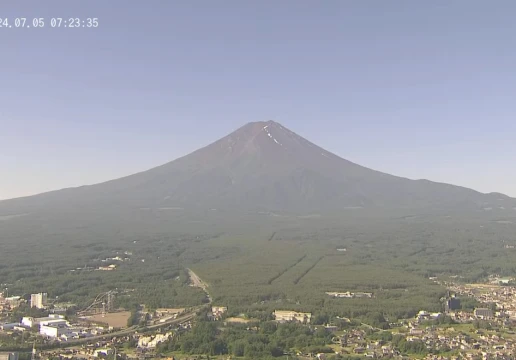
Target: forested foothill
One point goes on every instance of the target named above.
(248, 269)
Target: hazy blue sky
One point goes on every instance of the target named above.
(423, 89)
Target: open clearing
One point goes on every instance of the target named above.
(116, 320)
(239, 320)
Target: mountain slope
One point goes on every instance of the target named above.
(260, 167)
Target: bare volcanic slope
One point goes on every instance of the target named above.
(262, 166)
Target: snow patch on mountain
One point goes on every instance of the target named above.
(265, 128)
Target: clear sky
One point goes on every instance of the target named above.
(422, 89)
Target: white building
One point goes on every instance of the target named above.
(54, 330)
(39, 300)
(281, 315)
(51, 319)
(151, 342)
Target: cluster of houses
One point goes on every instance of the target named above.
(469, 345)
(111, 261)
(152, 341)
(503, 308)
(9, 303)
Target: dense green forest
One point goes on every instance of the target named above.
(151, 275)
(269, 340)
(260, 270)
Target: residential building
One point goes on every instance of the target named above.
(103, 352)
(331, 328)
(282, 315)
(218, 311)
(108, 268)
(423, 315)
(415, 331)
(221, 309)
(39, 300)
(13, 301)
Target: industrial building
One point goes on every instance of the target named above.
(483, 313)
(288, 315)
(8, 356)
(452, 304)
(8, 326)
(53, 319)
(165, 312)
(39, 300)
(54, 330)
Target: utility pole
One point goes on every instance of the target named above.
(33, 357)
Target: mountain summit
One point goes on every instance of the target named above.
(262, 166)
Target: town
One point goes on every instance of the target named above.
(478, 321)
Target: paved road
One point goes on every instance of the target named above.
(197, 282)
